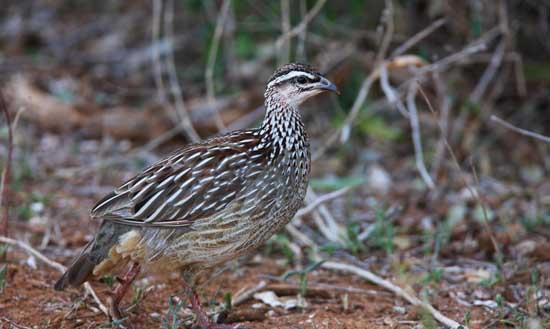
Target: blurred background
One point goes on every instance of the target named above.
(419, 171)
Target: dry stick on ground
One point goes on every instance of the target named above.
(395, 289)
(521, 131)
(12, 323)
(211, 63)
(175, 88)
(323, 218)
(6, 173)
(30, 250)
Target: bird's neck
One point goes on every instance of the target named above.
(282, 125)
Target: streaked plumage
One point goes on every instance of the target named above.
(212, 201)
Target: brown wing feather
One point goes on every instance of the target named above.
(197, 182)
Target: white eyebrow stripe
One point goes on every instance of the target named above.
(290, 75)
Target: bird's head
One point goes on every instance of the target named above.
(297, 82)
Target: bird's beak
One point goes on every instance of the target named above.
(326, 84)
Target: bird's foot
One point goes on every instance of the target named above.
(113, 302)
(202, 318)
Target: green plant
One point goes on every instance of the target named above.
(467, 318)
(302, 276)
(3, 272)
(227, 301)
(433, 275)
(171, 321)
(427, 319)
(351, 239)
(280, 241)
(109, 280)
(383, 233)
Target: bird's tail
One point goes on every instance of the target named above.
(94, 253)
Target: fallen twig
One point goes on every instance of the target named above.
(58, 266)
(524, 132)
(12, 323)
(395, 289)
(247, 294)
(324, 219)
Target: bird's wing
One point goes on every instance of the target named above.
(197, 182)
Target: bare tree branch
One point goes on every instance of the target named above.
(212, 55)
(6, 172)
(416, 137)
(524, 132)
(411, 42)
(175, 88)
(302, 25)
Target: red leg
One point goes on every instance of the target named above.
(124, 284)
(202, 317)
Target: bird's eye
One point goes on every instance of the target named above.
(301, 80)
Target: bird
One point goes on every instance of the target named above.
(209, 202)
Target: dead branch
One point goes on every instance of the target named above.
(13, 324)
(393, 288)
(412, 41)
(6, 173)
(387, 18)
(302, 25)
(524, 132)
(394, 98)
(212, 55)
(301, 45)
(323, 218)
(489, 74)
(284, 50)
(175, 88)
(299, 236)
(445, 104)
(58, 266)
(345, 130)
(242, 297)
(472, 190)
(155, 49)
(416, 136)
(322, 199)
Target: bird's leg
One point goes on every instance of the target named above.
(124, 283)
(202, 317)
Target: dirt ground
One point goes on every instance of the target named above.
(30, 301)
